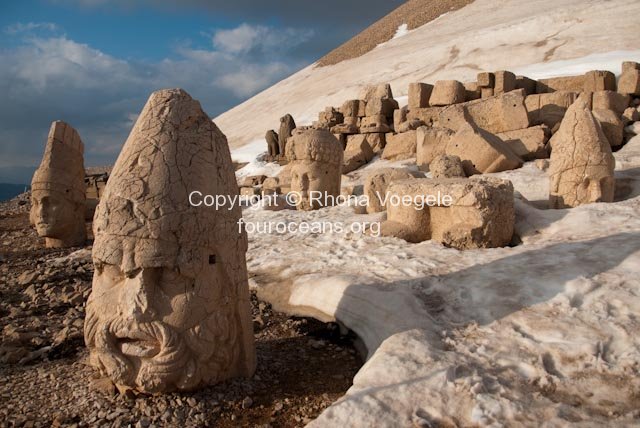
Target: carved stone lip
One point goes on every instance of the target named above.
(135, 343)
(138, 348)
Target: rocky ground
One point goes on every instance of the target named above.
(303, 365)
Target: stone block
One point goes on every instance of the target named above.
(599, 80)
(458, 212)
(505, 81)
(430, 143)
(486, 79)
(419, 94)
(400, 146)
(357, 153)
(446, 166)
(447, 92)
(549, 108)
(528, 143)
(481, 152)
(499, 113)
(376, 184)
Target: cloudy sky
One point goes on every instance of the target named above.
(93, 63)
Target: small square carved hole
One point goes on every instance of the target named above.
(212, 259)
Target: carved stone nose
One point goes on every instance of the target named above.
(137, 295)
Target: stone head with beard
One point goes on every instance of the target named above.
(169, 307)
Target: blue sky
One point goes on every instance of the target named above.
(93, 63)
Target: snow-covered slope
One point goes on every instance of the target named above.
(544, 332)
(485, 35)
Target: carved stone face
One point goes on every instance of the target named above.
(595, 185)
(53, 215)
(318, 177)
(157, 329)
(169, 307)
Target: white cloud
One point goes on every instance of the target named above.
(246, 38)
(49, 78)
(251, 78)
(20, 27)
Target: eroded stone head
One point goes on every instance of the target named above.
(169, 307)
(582, 164)
(57, 189)
(316, 161)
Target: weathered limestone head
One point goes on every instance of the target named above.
(169, 307)
(58, 191)
(582, 164)
(316, 167)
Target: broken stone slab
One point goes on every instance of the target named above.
(481, 151)
(399, 116)
(353, 108)
(271, 186)
(599, 80)
(380, 91)
(611, 124)
(376, 141)
(428, 115)
(446, 166)
(252, 180)
(564, 83)
(458, 212)
(447, 92)
(582, 164)
(376, 183)
(419, 95)
(347, 127)
(629, 82)
(358, 153)
(529, 143)
(400, 146)
(376, 124)
(430, 143)
(381, 106)
(497, 114)
(610, 100)
(526, 84)
(409, 125)
(548, 109)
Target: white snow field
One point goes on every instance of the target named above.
(543, 332)
(486, 35)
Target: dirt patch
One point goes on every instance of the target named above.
(414, 13)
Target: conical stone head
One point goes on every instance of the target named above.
(169, 308)
(582, 165)
(58, 190)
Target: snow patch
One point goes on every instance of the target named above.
(611, 61)
(403, 30)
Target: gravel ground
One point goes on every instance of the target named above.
(303, 365)
(414, 13)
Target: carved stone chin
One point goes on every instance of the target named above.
(57, 189)
(169, 307)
